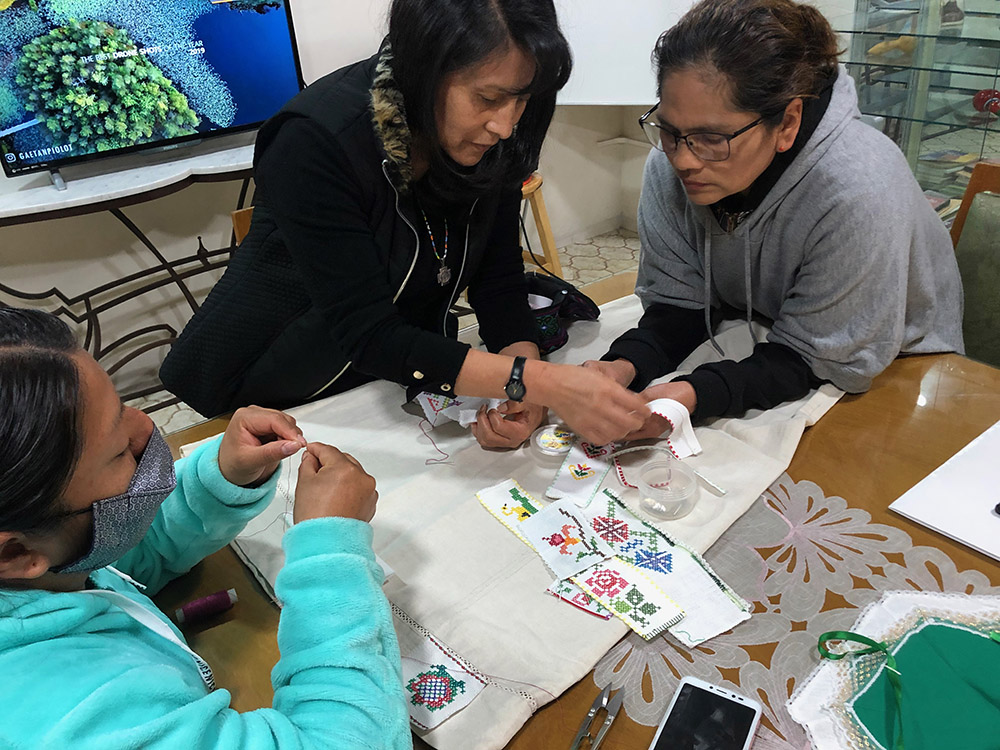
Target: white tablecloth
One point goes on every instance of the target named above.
(463, 576)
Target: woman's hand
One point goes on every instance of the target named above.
(509, 425)
(593, 405)
(620, 370)
(333, 484)
(255, 442)
(655, 426)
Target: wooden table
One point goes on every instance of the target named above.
(868, 449)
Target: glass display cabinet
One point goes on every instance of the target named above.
(927, 75)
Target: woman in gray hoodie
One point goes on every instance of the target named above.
(766, 196)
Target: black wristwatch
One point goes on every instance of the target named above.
(515, 386)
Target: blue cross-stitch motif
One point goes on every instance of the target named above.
(661, 562)
(631, 544)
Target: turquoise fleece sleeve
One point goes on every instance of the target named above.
(106, 682)
(201, 516)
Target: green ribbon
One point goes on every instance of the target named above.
(873, 647)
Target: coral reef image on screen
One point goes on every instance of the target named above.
(86, 77)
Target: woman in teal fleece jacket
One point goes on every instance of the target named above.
(83, 662)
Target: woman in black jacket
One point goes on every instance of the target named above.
(384, 190)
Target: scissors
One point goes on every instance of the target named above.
(601, 701)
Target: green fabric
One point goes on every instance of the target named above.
(890, 667)
(950, 692)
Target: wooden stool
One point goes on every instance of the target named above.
(532, 192)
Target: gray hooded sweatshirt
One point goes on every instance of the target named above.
(844, 255)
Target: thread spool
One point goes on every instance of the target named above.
(206, 606)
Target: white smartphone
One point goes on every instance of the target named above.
(703, 716)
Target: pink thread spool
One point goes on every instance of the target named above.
(199, 609)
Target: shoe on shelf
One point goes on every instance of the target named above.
(951, 14)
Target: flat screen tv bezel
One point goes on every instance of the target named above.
(53, 164)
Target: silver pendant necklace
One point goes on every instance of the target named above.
(444, 273)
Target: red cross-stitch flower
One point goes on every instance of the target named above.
(606, 583)
(611, 530)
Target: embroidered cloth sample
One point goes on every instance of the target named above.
(436, 685)
(439, 409)
(562, 535)
(582, 472)
(711, 607)
(510, 505)
(570, 593)
(630, 595)
(638, 602)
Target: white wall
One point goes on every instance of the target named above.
(335, 33)
(611, 43)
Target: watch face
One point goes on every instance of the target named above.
(514, 390)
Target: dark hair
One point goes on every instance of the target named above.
(771, 51)
(39, 435)
(432, 38)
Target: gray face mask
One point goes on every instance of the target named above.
(120, 522)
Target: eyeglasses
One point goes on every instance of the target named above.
(706, 146)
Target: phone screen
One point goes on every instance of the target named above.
(702, 720)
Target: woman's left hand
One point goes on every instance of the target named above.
(508, 426)
(255, 442)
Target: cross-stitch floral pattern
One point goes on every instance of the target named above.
(633, 540)
(581, 471)
(611, 530)
(635, 605)
(606, 583)
(563, 541)
(661, 562)
(561, 535)
(435, 688)
(785, 565)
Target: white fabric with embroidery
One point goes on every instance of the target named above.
(463, 577)
(562, 536)
(462, 409)
(710, 605)
(437, 686)
(661, 565)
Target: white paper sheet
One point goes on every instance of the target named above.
(958, 498)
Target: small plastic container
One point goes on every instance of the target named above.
(667, 489)
(552, 442)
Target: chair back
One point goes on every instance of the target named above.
(978, 255)
(985, 176)
(241, 223)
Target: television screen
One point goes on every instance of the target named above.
(85, 78)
